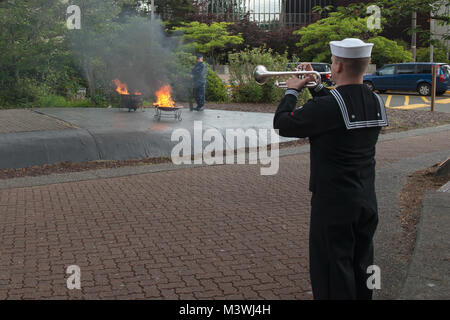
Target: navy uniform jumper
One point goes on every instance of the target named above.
(343, 127)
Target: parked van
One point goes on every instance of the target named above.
(411, 76)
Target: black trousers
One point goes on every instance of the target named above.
(341, 247)
(199, 94)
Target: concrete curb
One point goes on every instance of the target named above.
(134, 170)
(112, 135)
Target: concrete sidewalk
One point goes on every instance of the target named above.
(200, 232)
(428, 274)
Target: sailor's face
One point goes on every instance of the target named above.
(336, 69)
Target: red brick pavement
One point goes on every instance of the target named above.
(222, 232)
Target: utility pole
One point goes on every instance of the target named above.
(414, 35)
(152, 6)
(431, 35)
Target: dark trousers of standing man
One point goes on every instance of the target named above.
(341, 247)
(199, 94)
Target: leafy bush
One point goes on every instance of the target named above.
(215, 88)
(248, 92)
(241, 66)
(388, 51)
(50, 101)
(303, 97)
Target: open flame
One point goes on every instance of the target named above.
(122, 88)
(163, 98)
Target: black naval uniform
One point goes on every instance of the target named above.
(343, 126)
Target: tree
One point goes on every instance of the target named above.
(174, 12)
(388, 51)
(315, 38)
(34, 58)
(208, 39)
(279, 39)
(394, 12)
(98, 25)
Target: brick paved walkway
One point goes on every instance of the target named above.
(198, 233)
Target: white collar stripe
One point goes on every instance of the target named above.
(359, 124)
(336, 95)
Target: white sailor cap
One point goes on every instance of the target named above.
(351, 48)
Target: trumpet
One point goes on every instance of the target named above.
(261, 76)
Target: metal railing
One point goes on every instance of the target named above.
(268, 13)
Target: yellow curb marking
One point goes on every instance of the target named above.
(425, 99)
(406, 100)
(443, 100)
(388, 100)
(411, 106)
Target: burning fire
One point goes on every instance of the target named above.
(122, 88)
(163, 98)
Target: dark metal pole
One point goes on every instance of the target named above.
(433, 85)
(414, 35)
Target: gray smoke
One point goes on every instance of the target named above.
(134, 50)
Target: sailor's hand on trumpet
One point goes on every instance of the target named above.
(298, 83)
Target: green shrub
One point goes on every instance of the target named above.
(272, 93)
(50, 101)
(241, 66)
(215, 88)
(248, 92)
(303, 97)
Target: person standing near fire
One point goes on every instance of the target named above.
(343, 127)
(199, 79)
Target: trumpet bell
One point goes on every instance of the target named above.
(260, 74)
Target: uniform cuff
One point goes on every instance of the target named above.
(292, 91)
(318, 87)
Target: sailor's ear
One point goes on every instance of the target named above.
(339, 66)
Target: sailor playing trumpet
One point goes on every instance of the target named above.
(343, 126)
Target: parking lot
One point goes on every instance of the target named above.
(412, 100)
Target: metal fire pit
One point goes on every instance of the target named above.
(168, 112)
(131, 101)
